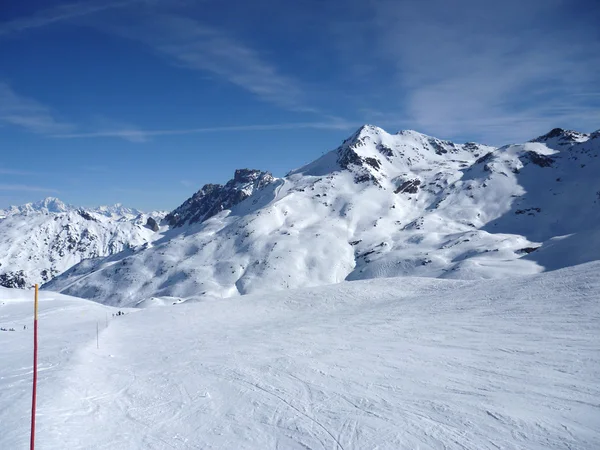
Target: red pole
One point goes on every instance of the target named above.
(35, 350)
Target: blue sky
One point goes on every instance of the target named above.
(143, 101)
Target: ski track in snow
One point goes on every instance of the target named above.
(380, 364)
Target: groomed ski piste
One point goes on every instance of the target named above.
(400, 363)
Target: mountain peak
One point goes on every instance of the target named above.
(370, 129)
(411, 133)
(364, 131)
(214, 198)
(51, 204)
(246, 175)
(560, 136)
(117, 210)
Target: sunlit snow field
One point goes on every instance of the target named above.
(398, 363)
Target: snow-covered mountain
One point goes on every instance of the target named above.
(48, 205)
(41, 240)
(379, 205)
(55, 205)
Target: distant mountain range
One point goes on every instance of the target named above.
(54, 205)
(380, 205)
(41, 240)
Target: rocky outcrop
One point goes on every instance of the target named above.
(214, 198)
(152, 224)
(408, 187)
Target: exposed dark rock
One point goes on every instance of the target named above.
(364, 178)
(13, 280)
(246, 175)
(555, 132)
(539, 160)
(471, 146)
(408, 187)
(349, 157)
(564, 137)
(437, 146)
(364, 255)
(373, 162)
(86, 215)
(385, 150)
(485, 158)
(152, 224)
(528, 211)
(214, 198)
(527, 250)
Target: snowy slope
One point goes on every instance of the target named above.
(380, 205)
(399, 363)
(41, 240)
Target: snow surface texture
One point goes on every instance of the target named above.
(399, 363)
(380, 205)
(41, 240)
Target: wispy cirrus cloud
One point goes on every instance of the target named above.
(188, 183)
(15, 172)
(143, 135)
(184, 41)
(191, 44)
(498, 72)
(28, 114)
(60, 13)
(25, 188)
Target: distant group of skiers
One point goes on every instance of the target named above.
(119, 313)
(11, 329)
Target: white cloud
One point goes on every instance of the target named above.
(492, 71)
(188, 43)
(27, 113)
(497, 71)
(14, 172)
(143, 135)
(189, 184)
(58, 14)
(25, 188)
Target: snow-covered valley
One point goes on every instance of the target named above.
(398, 363)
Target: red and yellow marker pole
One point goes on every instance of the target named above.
(35, 351)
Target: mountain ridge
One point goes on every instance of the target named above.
(55, 205)
(378, 205)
